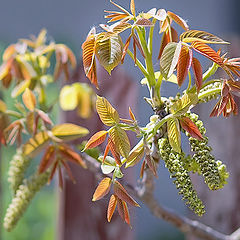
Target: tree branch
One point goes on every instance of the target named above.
(145, 192)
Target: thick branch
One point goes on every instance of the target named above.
(145, 192)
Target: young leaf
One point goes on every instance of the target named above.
(111, 207)
(166, 39)
(132, 8)
(69, 131)
(109, 50)
(108, 115)
(88, 57)
(20, 88)
(174, 135)
(102, 189)
(29, 99)
(201, 36)
(126, 213)
(131, 114)
(187, 124)
(120, 208)
(182, 23)
(184, 63)
(47, 159)
(151, 164)
(182, 105)
(96, 139)
(197, 69)
(169, 58)
(121, 193)
(120, 140)
(125, 48)
(68, 98)
(35, 144)
(143, 22)
(114, 151)
(135, 156)
(208, 52)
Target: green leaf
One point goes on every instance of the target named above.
(201, 36)
(172, 79)
(169, 58)
(174, 135)
(69, 131)
(120, 140)
(108, 115)
(183, 105)
(35, 144)
(109, 50)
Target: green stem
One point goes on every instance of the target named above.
(161, 122)
(210, 71)
(189, 82)
(209, 93)
(13, 114)
(150, 38)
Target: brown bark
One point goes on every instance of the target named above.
(79, 217)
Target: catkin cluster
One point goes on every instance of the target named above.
(17, 168)
(22, 198)
(174, 162)
(209, 92)
(214, 172)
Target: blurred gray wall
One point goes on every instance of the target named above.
(69, 22)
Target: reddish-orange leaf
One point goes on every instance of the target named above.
(139, 46)
(44, 117)
(166, 39)
(89, 62)
(151, 164)
(120, 208)
(111, 207)
(143, 22)
(234, 86)
(131, 114)
(223, 103)
(178, 20)
(106, 151)
(47, 159)
(71, 155)
(29, 99)
(96, 139)
(121, 193)
(197, 69)
(60, 177)
(208, 52)
(184, 63)
(69, 172)
(114, 152)
(125, 48)
(134, 51)
(214, 112)
(102, 189)
(142, 169)
(187, 124)
(126, 213)
(54, 168)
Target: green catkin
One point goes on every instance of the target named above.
(214, 173)
(22, 199)
(173, 161)
(208, 92)
(18, 166)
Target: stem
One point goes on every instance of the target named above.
(150, 38)
(210, 71)
(160, 123)
(139, 64)
(14, 114)
(189, 82)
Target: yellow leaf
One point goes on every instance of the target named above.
(172, 79)
(174, 135)
(132, 8)
(135, 155)
(69, 131)
(68, 98)
(120, 140)
(35, 144)
(29, 99)
(20, 88)
(108, 115)
(3, 106)
(102, 189)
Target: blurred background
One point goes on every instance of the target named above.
(68, 22)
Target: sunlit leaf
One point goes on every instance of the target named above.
(201, 36)
(125, 48)
(89, 62)
(126, 213)
(172, 79)
(132, 8)
(114, 151)
(9, 51)
(151, 164)
(20, 88)
(30, 122)
(68, 98)
(183, 104)
(111, 207)
(208, 52)
(109, 50)
(143, 22)
(135, 156)
(184, 63)
(120, 140)
(131, 114)
(107, 169)
(27, 69)
(197, 69)
(35, 144)
(108, 115)
(121, 193)
(96, 139)
(29, 99)
(120, 27)
(169, 58)
(102, 189)
(174, 135)
(178, 20)
(3, 106)
(69, 131)
(120, 208)
(187, 124)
